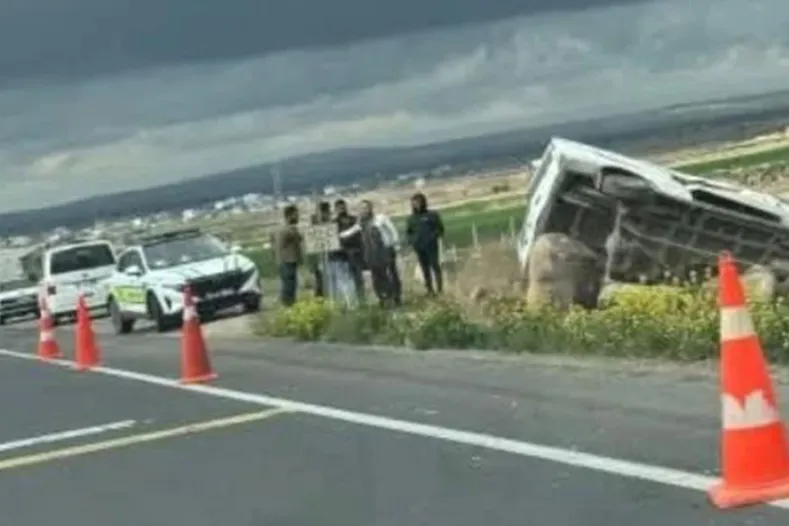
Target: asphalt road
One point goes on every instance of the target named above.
(320, 468)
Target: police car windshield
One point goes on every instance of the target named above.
(182, 251)
(83, 257)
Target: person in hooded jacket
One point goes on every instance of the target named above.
(424, 230)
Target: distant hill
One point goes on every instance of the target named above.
(646, 132)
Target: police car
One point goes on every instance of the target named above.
(18, 298)
(151, 275)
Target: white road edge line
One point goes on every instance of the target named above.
(61, 436)
(613, 466)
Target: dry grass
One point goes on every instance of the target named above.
(471, 275)
(492, 269)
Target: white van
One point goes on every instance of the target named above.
(67, 271)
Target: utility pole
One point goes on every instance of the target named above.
(276, 182)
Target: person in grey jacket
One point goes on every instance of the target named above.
(379, 239)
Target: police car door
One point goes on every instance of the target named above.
(129, 289)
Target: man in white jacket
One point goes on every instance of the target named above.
(382, 261)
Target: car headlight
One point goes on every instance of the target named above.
(174, 287)
(247, 274)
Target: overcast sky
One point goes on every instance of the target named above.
(105, 95)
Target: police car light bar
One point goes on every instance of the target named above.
(172, 235)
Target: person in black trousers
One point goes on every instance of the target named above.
(424, 229)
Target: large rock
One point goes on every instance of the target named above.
(760, 284)
(562, 272)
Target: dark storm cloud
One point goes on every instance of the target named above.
(75, 38)
(152, 125)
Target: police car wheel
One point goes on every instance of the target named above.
(119, 323)
(163, 322)
(252, 303)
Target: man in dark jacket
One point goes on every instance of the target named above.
(424, 229)
(289, 255)
(351, 245)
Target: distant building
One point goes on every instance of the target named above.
(20, 241)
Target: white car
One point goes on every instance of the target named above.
(18, 298)
(67, 271)
(150, 278)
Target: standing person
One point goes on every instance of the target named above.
(322, 215)
(289, 255)
(332, 277)
(351, 244)
(379, 244)
(424, 230)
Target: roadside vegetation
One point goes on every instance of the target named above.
(679, 324)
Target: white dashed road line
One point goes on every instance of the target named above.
(613, 466)
(65, 435)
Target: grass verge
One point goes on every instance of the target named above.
(679, 324)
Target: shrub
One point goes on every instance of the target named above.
(370, 325)
(638, 322)
(443, 325)
(305, 320)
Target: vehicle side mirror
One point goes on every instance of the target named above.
(133, 270)
(235, 249)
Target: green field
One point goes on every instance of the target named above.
(774, 155)
(492, 219)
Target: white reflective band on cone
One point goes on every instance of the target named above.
(736, 323)
(189, 313)
(756, 411)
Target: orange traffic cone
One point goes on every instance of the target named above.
(195, 364)
(754, 453)
(48, 347)
(86, 352)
